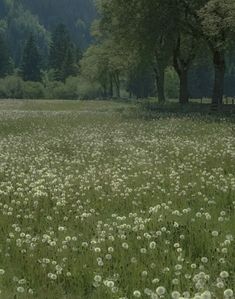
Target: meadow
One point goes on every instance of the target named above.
(98, 203)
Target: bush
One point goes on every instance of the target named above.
(60, 90)
(88, 90)
(33, 90)
(11, 87)
(74, 87)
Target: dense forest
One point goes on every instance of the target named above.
(19, 18)
(82, 49)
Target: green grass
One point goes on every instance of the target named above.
(99, 201)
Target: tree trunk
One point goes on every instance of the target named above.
(181, 66)
(117, 84)
(105, 90)
(184, 93)
(219, 66)
(111, 86)
(160, 82)
(118, 87)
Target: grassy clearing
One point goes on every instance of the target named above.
(96, 204)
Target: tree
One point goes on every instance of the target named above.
(157, 30)
(141, 81)
(94, 67)
(214, 22)
(77, 15)
(102, 63)
(183, 56)
(5, 60)
(20, 23)
(70, 66)
(63, 54)
(201, 74)
(146, 32)
(218, 25)
(31, 61)
(155, 24)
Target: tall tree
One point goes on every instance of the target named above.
(218, 24)
(147, 31)
(183, 56)
(63, 54)
(31, 61)
(104, 64)
(157, 30)
(5, 61)
(141, 81)
(20, 23)
(214, 22)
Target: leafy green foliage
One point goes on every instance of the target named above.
(218, 21)
(11, 87)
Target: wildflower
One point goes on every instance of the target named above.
(20, 290)
(98, 278)
(152, 245)
(160, 291)
(175, 295)
(137, 294)
(224, 274)
(206, 295)
(228, 293)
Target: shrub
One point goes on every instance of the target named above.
(88, 90)
(11, 87)
(74, 87)
(33, 90)
(60, 90)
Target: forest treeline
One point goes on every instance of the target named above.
(166, 48)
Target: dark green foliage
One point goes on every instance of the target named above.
(201, 76)
(141, 82)
(5, 60)
(62, 58)
(11, 87)
(59, 90)
(33, 90)
(77, 15)
(69, 67)
(3, 9)
(18, 18)
(31, 62)
(19, 24)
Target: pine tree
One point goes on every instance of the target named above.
(62, 57)
(5, 60)
(31, 61)
(69, 67)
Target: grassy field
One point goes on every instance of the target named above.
(96, 203)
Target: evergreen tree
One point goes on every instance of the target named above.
(5, 61)
(62, 57)
(31, 61)
(69, 67)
